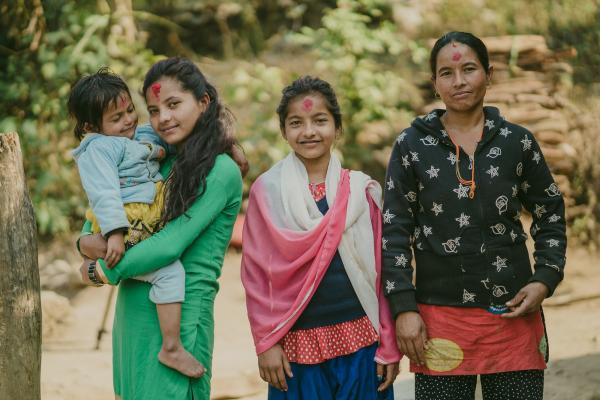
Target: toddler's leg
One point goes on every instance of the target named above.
(168, 291)
(172, 353)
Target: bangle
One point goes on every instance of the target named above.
(92, 274)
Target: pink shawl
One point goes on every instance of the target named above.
(281, 267)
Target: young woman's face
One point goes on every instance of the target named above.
(119, 118)
(309, 127)
(173, 110)
(460, 79)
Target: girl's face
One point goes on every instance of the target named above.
(119, 118)
(310, 128)
(460, 78)
(173, 110)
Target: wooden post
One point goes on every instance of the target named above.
(20, 309)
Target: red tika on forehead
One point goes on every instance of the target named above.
(456, 56)
(155, 89)
(307, 104)
(123, 101)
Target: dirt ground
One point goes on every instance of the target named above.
(73, 370)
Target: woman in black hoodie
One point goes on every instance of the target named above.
(455, 186)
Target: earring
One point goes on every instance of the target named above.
(436, 94)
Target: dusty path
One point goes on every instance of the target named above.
(71, 370)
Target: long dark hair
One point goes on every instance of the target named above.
(465, 38)
(209, 137)
(91, 95)
(307, 85)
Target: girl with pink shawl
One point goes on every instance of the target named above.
(289, 244)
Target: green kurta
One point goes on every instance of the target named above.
(199, 240)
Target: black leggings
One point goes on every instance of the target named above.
(516, 385)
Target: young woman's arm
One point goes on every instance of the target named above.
(222, 184)
(90, 245)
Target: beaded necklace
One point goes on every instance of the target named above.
(461, 180)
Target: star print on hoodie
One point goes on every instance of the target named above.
(473, 253)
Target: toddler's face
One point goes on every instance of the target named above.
(120, 118)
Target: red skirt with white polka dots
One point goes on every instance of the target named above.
(316, 345)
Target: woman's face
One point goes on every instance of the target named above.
(173, 110)
(460, 79)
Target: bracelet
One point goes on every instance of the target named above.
(92, 274)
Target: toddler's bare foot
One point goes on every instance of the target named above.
(181, 360)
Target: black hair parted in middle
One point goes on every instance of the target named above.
(309, 85)
(465, 38)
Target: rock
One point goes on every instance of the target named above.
(56, 309)
(60, 275)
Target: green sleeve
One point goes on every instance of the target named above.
(86, 230)
(170, 243)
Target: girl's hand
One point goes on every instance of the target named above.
(527, 300)
(411, 336)
(272, 364)
(388, 374)
(93, 246)
(115, 249)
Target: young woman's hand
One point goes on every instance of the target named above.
(527, 300)
(273, 366)
(411, 336)
(388, 374)
(93, 246)
(83, 270)
(115, 249)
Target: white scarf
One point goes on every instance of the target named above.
(293, 207)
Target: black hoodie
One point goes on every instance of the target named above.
(468, 252)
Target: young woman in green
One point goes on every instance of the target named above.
(203, 196)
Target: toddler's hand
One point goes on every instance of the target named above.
(115, 249)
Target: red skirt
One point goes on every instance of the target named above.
(317, 345)
(470, 341)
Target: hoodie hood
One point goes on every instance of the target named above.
(431, 127)
(88, 138)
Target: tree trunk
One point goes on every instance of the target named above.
(20, 312)
(123, 13)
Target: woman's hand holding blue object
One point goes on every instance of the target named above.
(527, 300)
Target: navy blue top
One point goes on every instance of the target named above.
(334, 300)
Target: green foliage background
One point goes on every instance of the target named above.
(372, 51)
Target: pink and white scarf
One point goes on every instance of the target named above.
(288, 246)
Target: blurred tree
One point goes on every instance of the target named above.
(225, 29)
(46, 47)
(20, 308)
(367, 59)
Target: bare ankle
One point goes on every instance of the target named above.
(171, 346)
